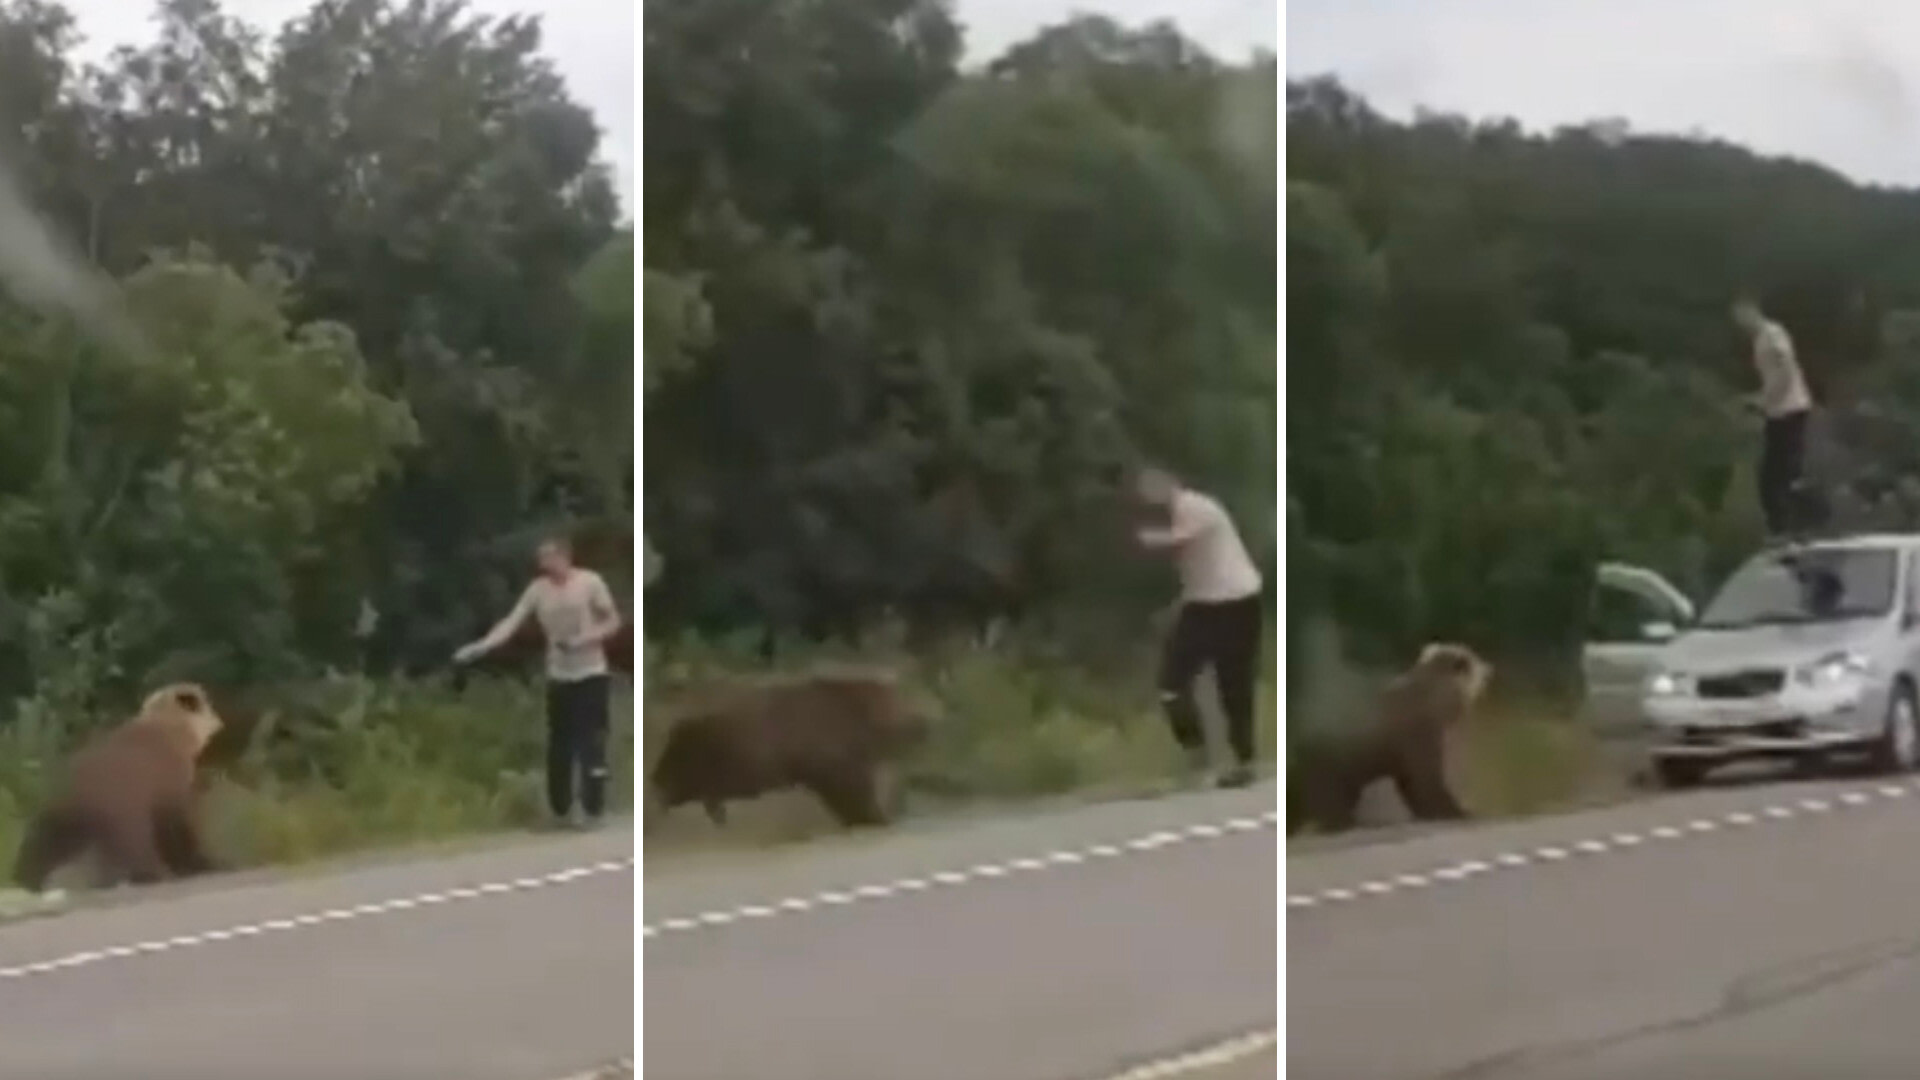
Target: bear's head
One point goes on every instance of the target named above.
(1459, 665)
(184, 712)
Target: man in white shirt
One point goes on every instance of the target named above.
(1784, 402)
(1219, 619)
(576, 615)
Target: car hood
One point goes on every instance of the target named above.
(1769, 645)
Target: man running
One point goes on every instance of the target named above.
(1784, 402)
(577, 615)
(1218, 623)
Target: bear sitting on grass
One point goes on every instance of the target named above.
(826, 731)
(128, 796)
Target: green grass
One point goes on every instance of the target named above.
(1522, 758)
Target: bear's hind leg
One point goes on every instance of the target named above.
(54, 838)
(1422, 782)
(128, 846)
(851, 798)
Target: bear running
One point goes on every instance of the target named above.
(826, 731)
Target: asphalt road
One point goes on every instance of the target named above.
(1760, 933)
(491, 964)
(1073, 945)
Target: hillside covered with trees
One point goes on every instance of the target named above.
(1509, 356)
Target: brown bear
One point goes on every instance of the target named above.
(128, 796)
(1404, 743)
(826, 731)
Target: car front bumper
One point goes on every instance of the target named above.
(1797, 720)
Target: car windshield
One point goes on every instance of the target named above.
(1824, 584)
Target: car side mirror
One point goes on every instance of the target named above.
(1659, 630)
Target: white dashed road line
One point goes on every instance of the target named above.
(612, 1070)
(318, 918)
(790, 905)
(979, 872)
(1217, 1056)
(1620, 841)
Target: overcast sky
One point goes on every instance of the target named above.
(593, 40)
(1821, 80)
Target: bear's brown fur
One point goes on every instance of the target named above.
(826, 731)
(128, 796)
(1405, 743)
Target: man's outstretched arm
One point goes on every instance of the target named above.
(501, 633)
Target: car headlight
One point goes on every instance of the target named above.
(1833, 669)
(1669, 684)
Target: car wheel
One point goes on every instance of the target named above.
(1898, 748)
(1678, 772)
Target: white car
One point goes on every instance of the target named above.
(1807, 651)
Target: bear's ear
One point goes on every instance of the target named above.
(190, 700)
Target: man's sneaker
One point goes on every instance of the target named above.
(1237, 777)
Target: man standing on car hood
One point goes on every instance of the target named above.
(1784, 403)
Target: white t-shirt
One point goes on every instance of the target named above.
(1783, 389)
(1212, 562)
(564, 609)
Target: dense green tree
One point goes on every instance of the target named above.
(904, 321)
(172, 508)
(408, 170)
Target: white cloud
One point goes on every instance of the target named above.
(1783, 76)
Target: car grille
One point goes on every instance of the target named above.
(1757, 682)
(1773, 729)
